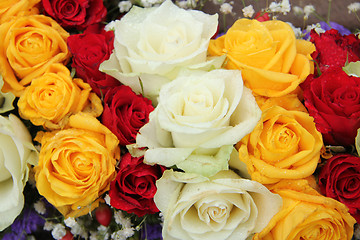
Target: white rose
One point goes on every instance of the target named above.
(198, 113)
(16, 151)
(222, 207)
(151, 45)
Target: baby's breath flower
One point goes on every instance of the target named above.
(282, 7)
(39, 207)
(124, 6)
(58, 231)
(94, 235)
(248, 11)
(107, 199)
(275, 7)
(316, 27)
(122, 220)
(226, 8)
(128, 232)
(102, 228)
(298, 10)
(308, 9)
(354, 7)
(285, 6)
(297, 31)
(118, 235)
(48, 226)
(70, 222)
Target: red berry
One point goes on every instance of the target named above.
(103, 215)
(262, 16)
(68, 236)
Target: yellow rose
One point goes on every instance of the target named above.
(17, 8)
(283, 145)
(272, 60)
(54, 96)
(76, 165)
(306, 214)
(289, 102)
(30, 44)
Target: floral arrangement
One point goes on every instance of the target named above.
(146, 120)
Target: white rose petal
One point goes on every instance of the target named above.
(222, 207)
(16, 152)
(198, 113)
(153, 50)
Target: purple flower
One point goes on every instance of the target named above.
(333, 25)
(151, 231)
(14, 236)
(24, 225)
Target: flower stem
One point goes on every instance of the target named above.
(318, 16)
(357, 16)
(328, 13)
(224, 22)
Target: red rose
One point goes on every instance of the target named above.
(75, 13)
(89, 49)
(339, 178)
(134, 188)
(125, 113)
(333, 49)
(333, 100)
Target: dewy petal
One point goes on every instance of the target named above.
(16, 152)
(232, 114)
(145, 44)
(9, 215)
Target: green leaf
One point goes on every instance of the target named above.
(6, 99)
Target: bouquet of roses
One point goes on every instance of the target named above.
(152, 126)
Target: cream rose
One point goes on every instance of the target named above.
(222, 207)
(149, 50)
(198, 113)
(16, 151)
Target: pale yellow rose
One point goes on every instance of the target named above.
(30, 44)
(306, 214)
(54, 96)
(273, 62)
(16, 152)
(199, 115)
(224, 206)
(76, 165)
(16, 8)
(152, 45)
(284, 145)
